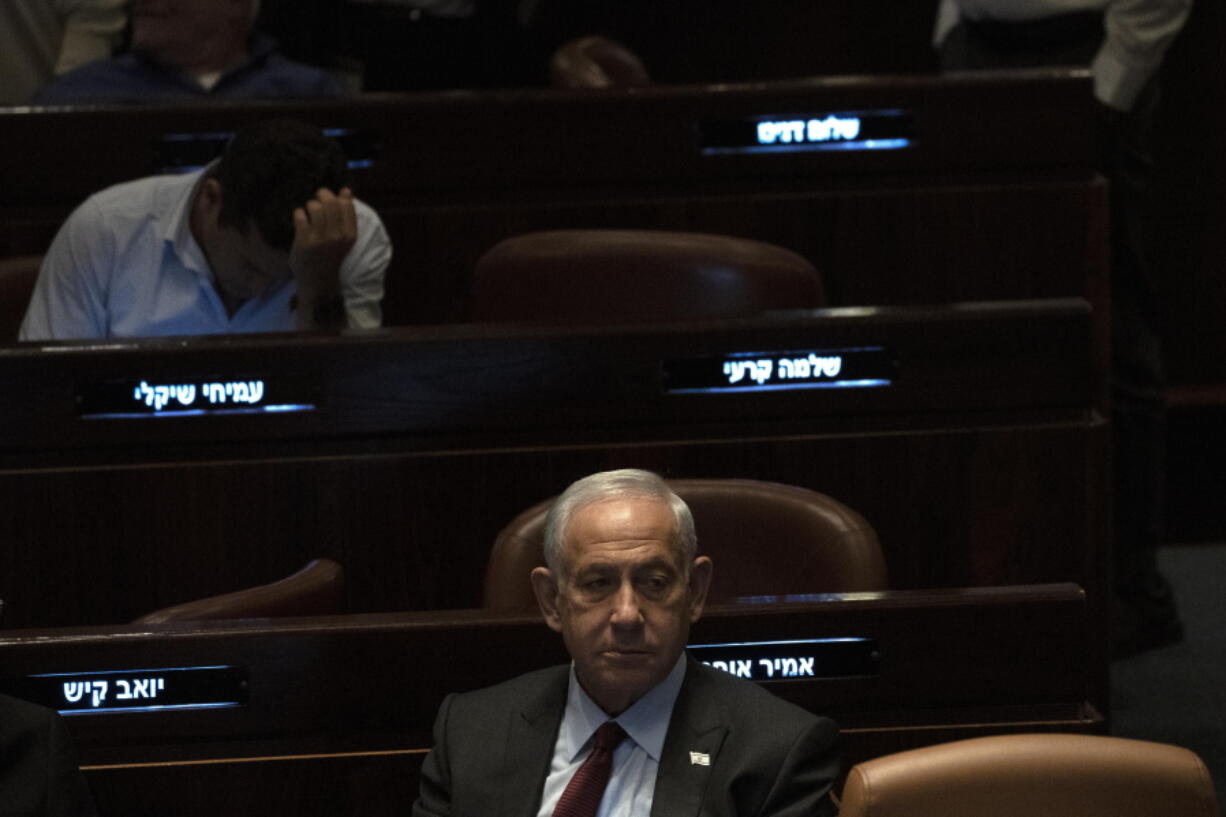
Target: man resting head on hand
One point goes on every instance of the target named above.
(269, 238)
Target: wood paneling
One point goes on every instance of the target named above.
(981, 464)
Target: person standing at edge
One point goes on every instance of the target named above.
(1123, 42)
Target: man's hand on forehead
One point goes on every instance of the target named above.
(325, 229)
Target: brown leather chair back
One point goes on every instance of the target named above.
(596, 62)
(766, 539)
(1053, 775)
(315, 590)
(17, 278)
(638, 276)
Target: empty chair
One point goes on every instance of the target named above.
(1052, 775)
(638, 276)
(316, 589)
(596, 62)
(17, 278)
(766, 539)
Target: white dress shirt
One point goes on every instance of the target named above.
(125, 264)
(1138, 34)
(636, 760)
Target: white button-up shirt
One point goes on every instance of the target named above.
(125, 264)
(1138, 34)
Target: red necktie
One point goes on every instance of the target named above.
(585, 790)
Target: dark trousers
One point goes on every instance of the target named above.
(1137, 375)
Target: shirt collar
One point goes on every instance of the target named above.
(176, 227)
(646, 721)
(259, 48)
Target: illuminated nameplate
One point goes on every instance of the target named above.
(843, 130)
(194, 397)
(138, 690)
(185, 152)
(862, 368)
(797, 660)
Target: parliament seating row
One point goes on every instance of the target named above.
(969, 435)
(898, 189)
(43, 153)
(332, 715)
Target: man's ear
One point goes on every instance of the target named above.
(546, 588)
(209, 198)
(700, 582)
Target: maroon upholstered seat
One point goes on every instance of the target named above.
(638, 276)
(316, 589)
(17, 278)
(1055, 775)
(596, 62)
(766, 539)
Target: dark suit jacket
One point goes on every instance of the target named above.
(767, 757)
(38, 765)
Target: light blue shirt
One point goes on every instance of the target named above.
(125, 264)
(632, 781)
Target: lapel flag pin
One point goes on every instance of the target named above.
(700, 759)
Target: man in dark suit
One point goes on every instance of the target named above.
(622, 586)
(38, 764)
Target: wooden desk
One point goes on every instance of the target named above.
(340, 708)
(981, 464)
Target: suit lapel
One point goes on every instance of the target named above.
(529, 750)
(696, 733)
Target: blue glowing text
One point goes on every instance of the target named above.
(833, 128)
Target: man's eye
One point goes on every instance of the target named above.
(595, 584)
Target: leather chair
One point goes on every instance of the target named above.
(17, 278)
(1053, 775)
(596, 62)
(766, 539)
(638, 276)
(315, 590)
